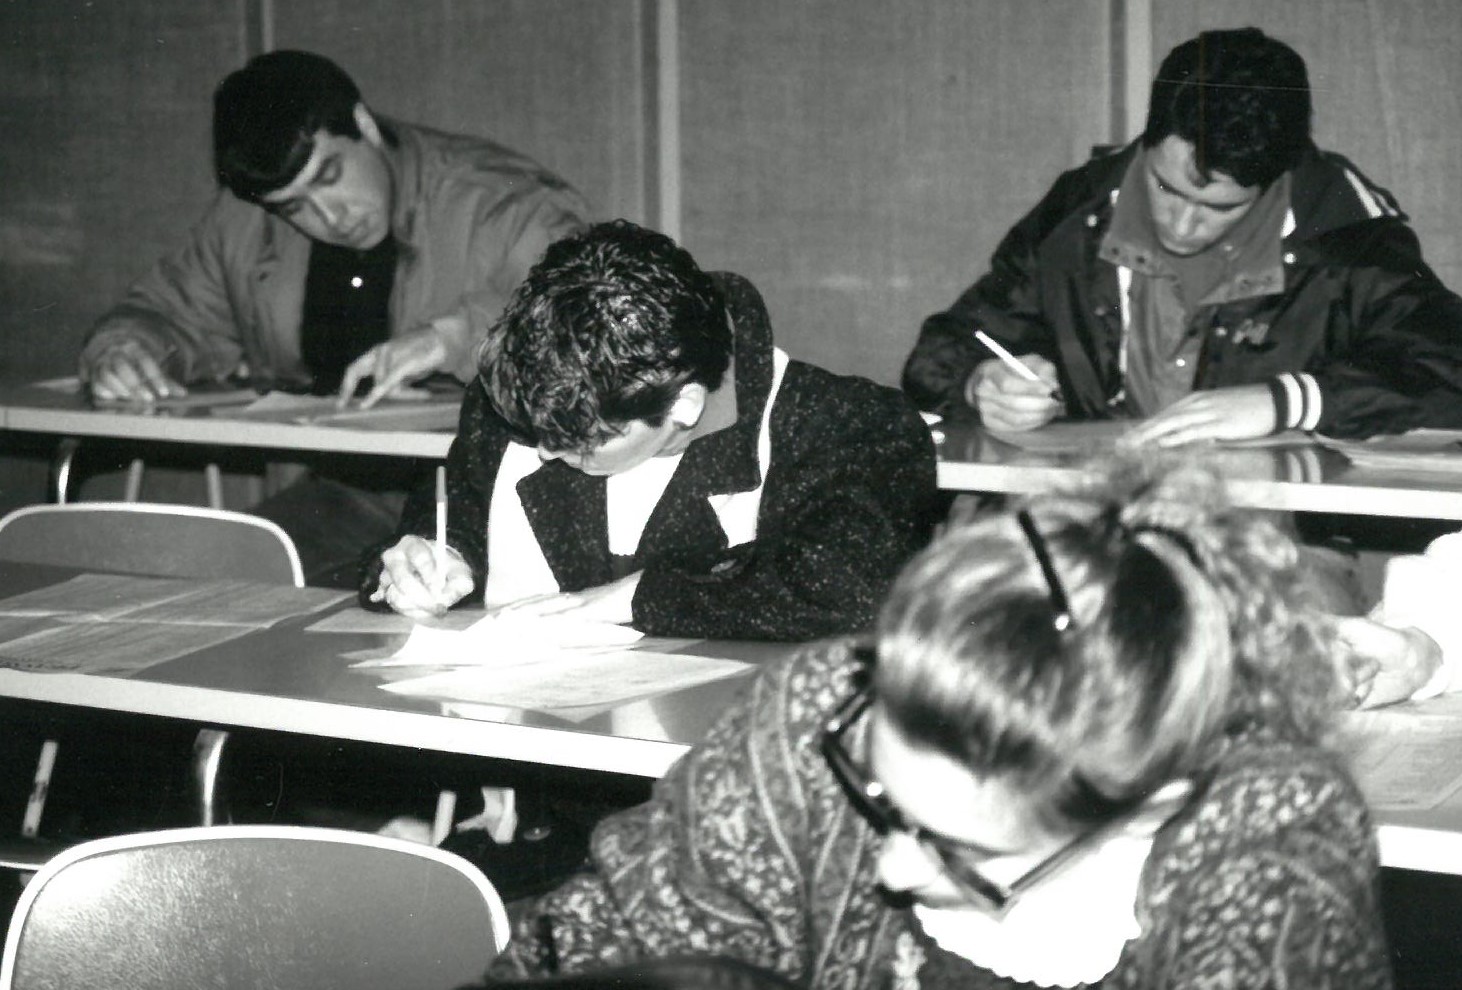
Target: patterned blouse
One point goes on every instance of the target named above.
(748, 849)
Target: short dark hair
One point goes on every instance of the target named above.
(1240, 97)
(266, 115)
(1187, 622)
(605, 330)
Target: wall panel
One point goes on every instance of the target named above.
(1387, 81)
(558, 80)
(105, 110)
(859, 159)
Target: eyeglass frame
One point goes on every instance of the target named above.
(871, 800)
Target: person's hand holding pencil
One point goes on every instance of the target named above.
(421, 579)
(1013, 393)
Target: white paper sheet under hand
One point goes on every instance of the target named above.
(573, 680)
(504, 640)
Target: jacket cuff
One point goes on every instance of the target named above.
(1297, 402)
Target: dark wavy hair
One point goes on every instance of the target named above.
(1188, 623)
(1240, 97)
(605, 330)
(266, 115)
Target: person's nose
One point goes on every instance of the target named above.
(903, 865)
(548, 456)
(1186, 220)
(332, 211)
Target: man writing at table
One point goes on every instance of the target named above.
(638, 451)
(344, 247)
(1220, 277)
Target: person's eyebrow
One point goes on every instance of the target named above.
(326, 173)
(1173, 190)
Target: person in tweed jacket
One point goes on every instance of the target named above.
(637, 450)
(1116, 694)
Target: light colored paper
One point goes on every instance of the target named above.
(179, 601)
(1402, 759)
(504, 640)
(109, 647)
(583, 680)
(99, 595)
(1418, 450)
(359, 620)
(1102, 436)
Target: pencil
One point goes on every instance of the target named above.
(1012, 362)
(441, 507)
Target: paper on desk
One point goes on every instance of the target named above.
(1416, 450)
(128, 597)
(1101, 436)
(573, 680)
(109, 647)
(505, 639)
(1402, 758)
(418, 411)
(359, 620)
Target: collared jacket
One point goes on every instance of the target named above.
(749, 849)
(1359, 310)
(470, 218)
(848, 498)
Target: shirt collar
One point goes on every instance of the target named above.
(1252, 252)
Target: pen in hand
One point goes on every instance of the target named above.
(1014, 363)
(440, 549)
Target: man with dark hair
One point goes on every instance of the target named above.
(640, 452)
(1220, 277)
(343, 246)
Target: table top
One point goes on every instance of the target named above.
(291, 679)
(58, 407)
(1297, 476)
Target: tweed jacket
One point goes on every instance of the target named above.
(1358, 308)
(849, 496)
(470, 218)
(748, 848)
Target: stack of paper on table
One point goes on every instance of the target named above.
(419, 411)
(1093, 437)
(1408, 756)
(545, 663)
(1416, 450)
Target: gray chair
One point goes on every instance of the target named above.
(157, 540)
(258, 906)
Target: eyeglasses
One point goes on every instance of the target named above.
(959, 861)
(1060, 604)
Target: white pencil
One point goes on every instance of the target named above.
(441, 507)
(1012, 362)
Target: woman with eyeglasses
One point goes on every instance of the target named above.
(1081, 746)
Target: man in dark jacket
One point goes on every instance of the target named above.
(1220, 277)
(638, 451)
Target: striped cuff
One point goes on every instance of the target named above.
(1297, 402)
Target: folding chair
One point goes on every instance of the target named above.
(253, 906)
(156, 540)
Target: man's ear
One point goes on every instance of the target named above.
(370, 131)
(689, 406)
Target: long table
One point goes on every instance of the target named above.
(288, 678)
(291, 679)
(59, 409)
(1301, 476)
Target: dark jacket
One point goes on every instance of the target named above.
(847, 500)
(1359, 310)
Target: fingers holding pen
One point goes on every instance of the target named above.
(419, 580)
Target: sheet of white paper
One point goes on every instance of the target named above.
(502, 640)
(1403, 760)
(358, 620)
(571, 681)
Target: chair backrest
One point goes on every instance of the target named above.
(259, 906)
(153, 539)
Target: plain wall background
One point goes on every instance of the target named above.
(857, 159)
